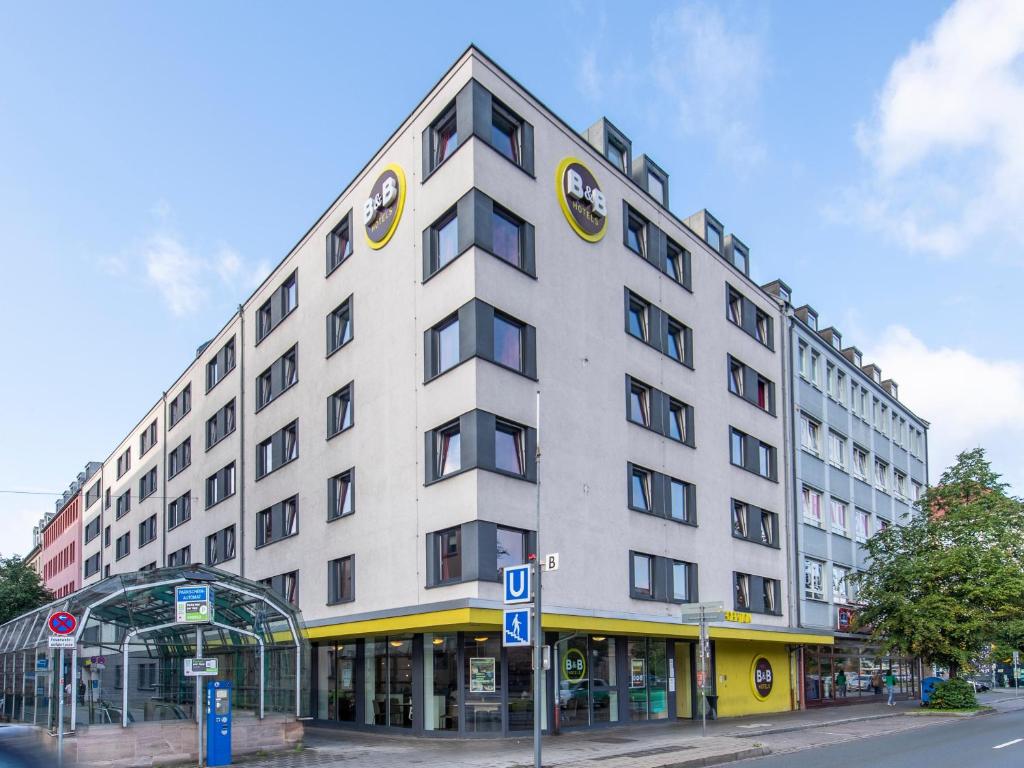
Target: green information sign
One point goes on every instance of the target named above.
(193, 605)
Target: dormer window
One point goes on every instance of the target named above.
(784, 294)
(876, 375)
(812, 320)
(837, 341)
(713, 236)
(656, 187)
(739, 258)
(857, 359)
(617, 155)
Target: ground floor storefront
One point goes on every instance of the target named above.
(453, 677)
(852, 672)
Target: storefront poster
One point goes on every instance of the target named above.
(481, 674)
(637, 677)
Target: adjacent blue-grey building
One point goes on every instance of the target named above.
(858, 461)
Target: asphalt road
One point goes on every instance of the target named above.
(987, 741)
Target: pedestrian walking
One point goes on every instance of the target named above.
(890, 688)
(876, 683)
(841, 683)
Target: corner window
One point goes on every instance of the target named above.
(339, 243)
(341, 495)
(505, 237)
(643, 580)
(449, 450)
(508, 342)
(512, 545)
(449, 555)
(508, 448)
(445, 339)
(339, 326)
(505, 133)
(445, 238)
(444, 137)
(339, 411)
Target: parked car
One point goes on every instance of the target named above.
(980, 684)
(577, 692)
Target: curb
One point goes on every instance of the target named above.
(808, 726)
(720, 759)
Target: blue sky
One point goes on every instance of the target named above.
(157, 160)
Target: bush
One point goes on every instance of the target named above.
(953, 694)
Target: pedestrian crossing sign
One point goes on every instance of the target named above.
(517, 628)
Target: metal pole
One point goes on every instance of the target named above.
(35, 698)
(124, 680)
(24, 672)
(538, 657)
(74, 686)
(199, 698)
(703, 674)
(60, 709)
(261, 678)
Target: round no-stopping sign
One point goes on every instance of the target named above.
(62, 623)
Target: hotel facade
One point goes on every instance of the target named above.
(362, 435)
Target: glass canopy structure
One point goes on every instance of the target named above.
(129, 659)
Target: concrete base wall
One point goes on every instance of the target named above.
(143, 745)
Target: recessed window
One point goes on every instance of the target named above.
(762, 328)
(508, 342)
(449, 554)
(505, 234)
(765, 461)
(617, 155)
(739, 258)
(277, 522)
(839, 522)
(860, 463)
(445, 136)
(277, 450)
(736, 378)
(512, 545)
(862, 525)
(739, 519)
(681, 581)
(147, 530)
(508, 448)
(179, 510)
(674, 335)
(814, 587)
(713, 236)
(339, 326)
(505, 133)
(736, 447)
(147, 484)
(734, 308)
(678, 509)
(275, 309)
(341, 580)
(812, 506)
(638, 318)
(341, 495)
(220, 425)
(656, 187)
(446, 339)
(881, 475)
(640, 489)
(642, 576)
(639, 404)
(810, 435)
(278, 378)
(676, 263)
(837, 450)
(339, 243)
(220, 546)
(636, 233)
(339, 410)
(770, 588)
(446, 240)
(449, 450)
(123, 546)
(677, 421)
(742, 586)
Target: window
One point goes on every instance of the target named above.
(862, 525)
(674, 341)
(617, 155)
(180, 557)
(449, 555)
(839, 522)
(677, 421)
(179, 510)
(106, 536)
(282, 303)
(106, 499)
(860, 462)
(339, 410)
(505, 237)
(220, 425)
(505, 133)
(803, 360)
(445, 241)
(147, 530)
(837, 449)
(881, 475)
(179, 458)
(513, 546)
(639, 403)
(147, 484)
(341, 495)
(736, 377)
(830, 381)
(812, 507)
(339, 243)
(916, 486)
(640, 489)
(739, 519)
(768, 527)
(742, 584)
(762, 328)
(770, 588)
(899, 483)
(679, 507)
(840, 587)
(124, 463)
(508, 448)
(220, 485)
(179, 407)
(277, 450)
(92, 530)
(148, 438)
(446, 345)
(814, 588)
(123, 546)
(277, 522)
(449, 452)
(341, 580)
(816, 368)
(766, 461)
(339, 326)
(508, 342)
(285, 586)
(737, 447)
(221, 364)
(444, 135)
(92, 565)
(636, 233)
(278, 378)
(841, 389)
(642, 575)
(680, 581)
(637, 318)
(124, 505)
(656, 187)
(810, 432)
(740, 255)
(677, 263)
(713, 236)
(734, 307)
(220, 546)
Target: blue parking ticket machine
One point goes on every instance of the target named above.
(218, 722)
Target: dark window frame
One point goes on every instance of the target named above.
(335, 580)
(334, 259)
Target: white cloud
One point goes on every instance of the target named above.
(175, 272)
(969, 400)
(702, 77)
(946, 140)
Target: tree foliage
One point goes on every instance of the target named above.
(953, 694)
(21, 589)
(951, 580)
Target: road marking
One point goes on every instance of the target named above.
(1007, 744)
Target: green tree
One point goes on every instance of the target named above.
(951, 580)
(21, 590)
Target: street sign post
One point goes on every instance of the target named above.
(702, 613)
(62, 626)
(62, 623)
(517, 628)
